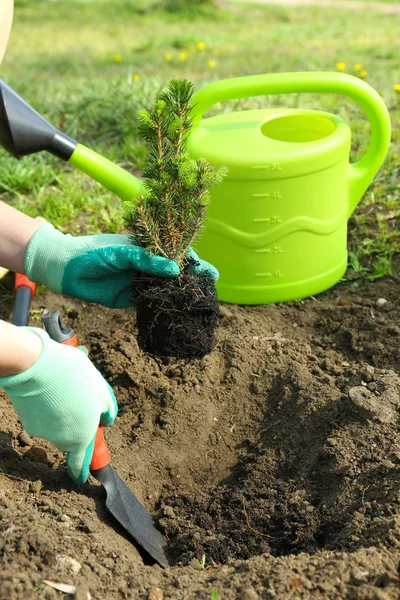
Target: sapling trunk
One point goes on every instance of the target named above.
(174, 317)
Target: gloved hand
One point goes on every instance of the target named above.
(96, 268)
(62, 397)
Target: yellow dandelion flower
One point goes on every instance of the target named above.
(358, 67)
(341, 66)
(168, 56)
(212, 64)
(117, 57)
(363, 74)
(201, 46)
(135, 77)
(183, 56)
(396, 87)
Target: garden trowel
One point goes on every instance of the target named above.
(120, 501)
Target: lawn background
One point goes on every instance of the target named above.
(89, 65)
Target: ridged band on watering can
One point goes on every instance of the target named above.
(277, 226)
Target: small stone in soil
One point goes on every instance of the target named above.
(394, 330)
(39, 453)
(368, 373)
(369, 406)
(156, 594)
(24, 439)
(35, 486)
(88, 525)
(81, 593)
(65, 518)
(381, 302)
(169, 512)
(69, 564)
(249, 594)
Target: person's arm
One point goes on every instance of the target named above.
(16, 231)
(19, 349)
(94, 268)
(6, 15)
(57, 393)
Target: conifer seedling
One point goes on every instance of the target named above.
(174, 317)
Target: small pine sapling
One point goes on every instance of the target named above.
(170, 215)
(174, 317)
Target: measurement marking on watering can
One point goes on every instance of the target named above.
(275, 195)
(274, 250)
(275, 166)
(275, 274)
(273, 219)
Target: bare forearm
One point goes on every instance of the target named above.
(19, 349)
(6, 14)
(16, 230)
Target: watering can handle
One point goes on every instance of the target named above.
(362, 172)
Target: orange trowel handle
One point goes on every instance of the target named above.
(101, 456)
(67, 336)
(22, 280)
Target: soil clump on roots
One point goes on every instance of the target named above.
(277, 456)
(176, 317)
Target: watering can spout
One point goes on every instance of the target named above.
(24, 131)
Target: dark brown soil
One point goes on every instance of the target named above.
(176, 317)
(277, 456)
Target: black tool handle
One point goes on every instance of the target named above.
(23, 292)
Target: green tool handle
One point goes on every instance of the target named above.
(114, 178)
(362, 172)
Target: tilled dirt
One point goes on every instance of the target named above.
(272, 464)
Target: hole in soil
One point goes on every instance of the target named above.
(322, 472)
(282, 440)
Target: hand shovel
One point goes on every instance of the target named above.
(120, 501)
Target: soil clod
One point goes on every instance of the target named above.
(176, 317)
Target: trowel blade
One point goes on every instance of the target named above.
(131, 514)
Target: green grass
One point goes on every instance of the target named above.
(375, 1)
(62, 58)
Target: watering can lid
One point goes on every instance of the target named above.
(240, 141)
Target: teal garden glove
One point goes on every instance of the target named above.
(96, 268)
(63, 397)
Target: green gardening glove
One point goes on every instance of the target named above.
(96, 268)
(62, 397)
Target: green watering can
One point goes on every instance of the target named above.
(277, 226)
